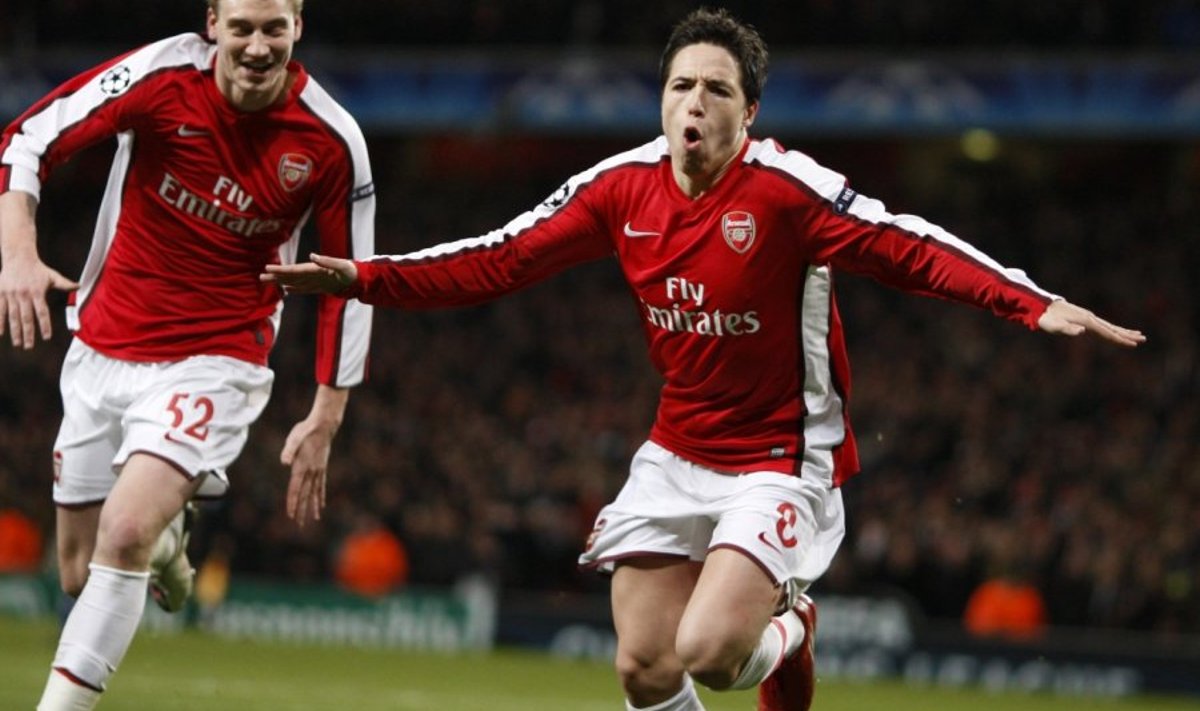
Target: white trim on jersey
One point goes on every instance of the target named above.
(106, 226)
(356, 339)
(324, 107)
(356, 316)
(39, 131)
(830, 184)
(647, 154)
(824, 425)
(287, 255)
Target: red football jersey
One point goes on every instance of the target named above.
(200, 197)
(735, 290)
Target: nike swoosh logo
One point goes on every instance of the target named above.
(190, 132)
(763, 537)
(630, 232)
(167, 436)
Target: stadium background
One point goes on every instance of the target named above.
(487, 438)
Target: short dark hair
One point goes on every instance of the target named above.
(718, 27)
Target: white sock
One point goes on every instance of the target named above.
(101, 625)
(685, 700)
(782, 636)
(62, 694)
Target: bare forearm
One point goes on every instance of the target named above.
(18, 231)
(329, 407)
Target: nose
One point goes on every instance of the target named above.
(695, 102)
(257, 46)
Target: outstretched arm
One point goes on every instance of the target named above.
(24, 279)
(1071, 320)
(323, 275)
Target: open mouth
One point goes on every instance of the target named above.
(257, 68)
(691, 137)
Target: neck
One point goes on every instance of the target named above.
(695, 185)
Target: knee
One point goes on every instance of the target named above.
(125, 539)
(647, 680)
(710, 661)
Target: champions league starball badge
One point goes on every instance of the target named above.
(116, 80)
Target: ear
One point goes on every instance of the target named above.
(299, 28)
(211, 24)
(749, 115)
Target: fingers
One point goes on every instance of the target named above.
(1118, 334)
(1071, 320)
(24, 311)
(323, 275)
(41, 312)
(306, 497)
(306, 488)
(61, 283)
(288, 454)
(21, 323)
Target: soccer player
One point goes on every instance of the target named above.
(730, 246)
(226, 149)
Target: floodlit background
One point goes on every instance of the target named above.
(1060, 138)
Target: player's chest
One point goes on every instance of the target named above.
(251, 169)
(726, 253)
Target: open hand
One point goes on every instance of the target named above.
(23, 307)
(323, 275)
(1070, 320)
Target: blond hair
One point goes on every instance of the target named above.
(297, 6)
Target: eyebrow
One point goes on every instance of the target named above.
(710, 82)
(269, 24)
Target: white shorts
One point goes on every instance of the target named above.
(791, 526)
(194, 413)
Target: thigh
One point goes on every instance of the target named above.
(649, 596)
(149, 492)
(730, 606)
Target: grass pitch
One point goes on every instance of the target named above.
(194, 672)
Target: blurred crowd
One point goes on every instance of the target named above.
(806, 24)
(487, 438)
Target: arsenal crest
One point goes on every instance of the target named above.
(739, 230)
(294, 170)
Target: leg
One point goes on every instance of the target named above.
(648, 598)
(730, 639)
(724, 621)
(76, 533)
(147, 495)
